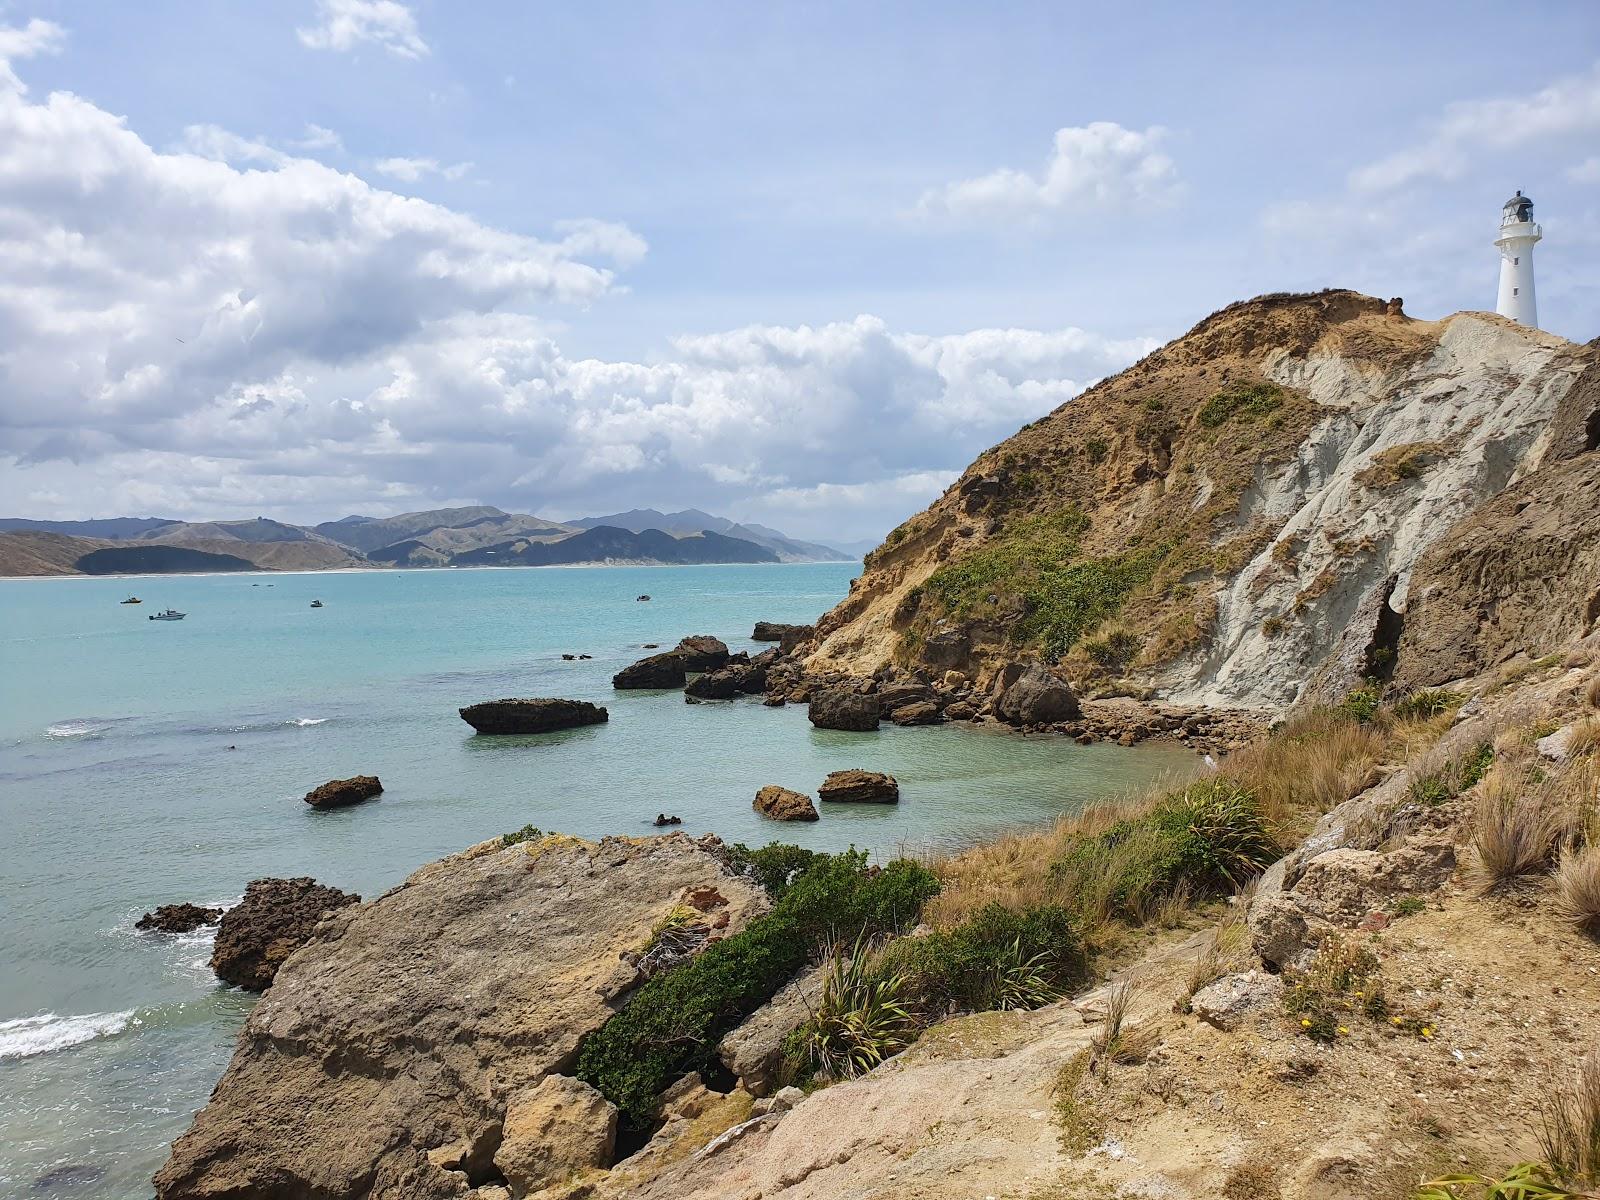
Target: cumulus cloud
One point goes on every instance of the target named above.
(412, 169)
(345, 24)
(226, 329)
(1092, 169)
(1569, 107)
(35, 38)
(318, 138)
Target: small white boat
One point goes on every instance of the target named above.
(316, 604)
(168, 614)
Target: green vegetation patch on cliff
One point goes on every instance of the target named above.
(1243, 401)
(1063, 595)
(671, 1024)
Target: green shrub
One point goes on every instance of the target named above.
(1242, 400)
(1430, 702)
(999, 958)
(1096, 449)
(1210, 837)
(773, 866)
(1362, 703)
(528, 833)
(1434, 789)
(672, 1023)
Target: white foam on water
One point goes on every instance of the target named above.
(75, 729)
(304, 721)
(23, 1037)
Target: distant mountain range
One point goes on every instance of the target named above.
(445, 537)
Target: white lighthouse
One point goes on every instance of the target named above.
(1518, 233)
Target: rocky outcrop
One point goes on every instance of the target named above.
(1036, 695)
(702, 652)
(839, 709)
(772, 631)
(782, 804)
(923, 712)
(427, 1020)
(552, 1130)
(276, 917)
(341, 793)
(794, 637)
(746, 678)
(177, 918)
(532, 716)
(1234, 999)
(754, 1051)
(859, 787)
(657, 672)
(1521, 575)
(1242, 505)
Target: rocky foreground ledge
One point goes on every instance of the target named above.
(417, 1048)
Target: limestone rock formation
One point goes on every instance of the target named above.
(658, 671)
(426, 1021)
(782, 804)
(839, 709)
(275, 918)
(855, 786)
(532, 716)
(177, 918)
(340, 793)
(702, 652)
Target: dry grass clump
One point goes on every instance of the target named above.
(1584, 738)
(1578, 888)
(1569, 1133)
(1313, 763)
(1520, 820)
(1592, 692)
(1223, 953)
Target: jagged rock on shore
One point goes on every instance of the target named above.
(275, 918)
(923, 712)
(178, 918)
(341, 793)
(702, 652)
(553, 1129)
(855, 786)
(427, 1020)
(837, 709)
(753, 1050)
(659, 672)
(1035, 695)
(783, 804)
(746, 678)
(532, 716)
(772, 631)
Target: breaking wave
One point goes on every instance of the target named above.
(23, 1037)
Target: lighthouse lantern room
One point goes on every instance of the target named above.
(1518, 233)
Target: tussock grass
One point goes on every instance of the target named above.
(1584, 738)
(1519, 821)
(1578, 888)
(1592, 693)
(1569, 1133)
(1223, 953)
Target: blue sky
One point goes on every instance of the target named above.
(798, 264)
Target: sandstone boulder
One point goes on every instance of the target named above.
(746, 678)
(794, 637)
(859, 787)
(923, 712)
(960, 711)
(177, 918)
(658, 671)
(1231, 1000)
(411, 1023)
(532, 716)
(839, 709)
(1038, 697)
(771, 631)
(950, 649)
(275, 918)
(906, 691)
(340, 793)
(702, 652)
(553, 1129)
(753, 1051)
(782, 804)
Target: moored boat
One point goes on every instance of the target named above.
(168, 614)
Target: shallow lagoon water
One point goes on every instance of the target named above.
(145, 762)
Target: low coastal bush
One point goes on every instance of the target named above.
(1241, 401)
(773, 866)
(1525, 1181)
(1429, 702)
(528, 833)
(672, 1023)
(999, 959)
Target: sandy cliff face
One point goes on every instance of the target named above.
(1236, 519)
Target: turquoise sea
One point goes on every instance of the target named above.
(144, 762)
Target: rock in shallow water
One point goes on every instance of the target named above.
(411, 1024)
(837, 709)
(782, 804)
(859, 787)
(659, 671)
(177, 918)
(1037, 697)
(275, 918)
(702, 652)
(341, 793)
(532, 716)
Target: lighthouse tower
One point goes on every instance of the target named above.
(1518, 233)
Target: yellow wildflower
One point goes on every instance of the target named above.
(1305, 1023)
(1427, 1031)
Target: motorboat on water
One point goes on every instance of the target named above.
(168, 614)
(133, 600)
(316, 604)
